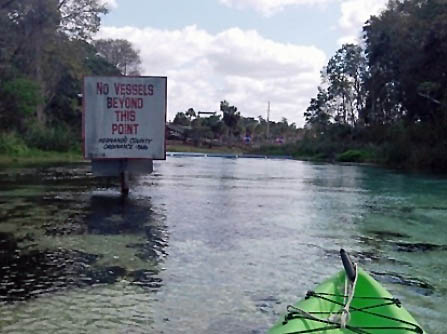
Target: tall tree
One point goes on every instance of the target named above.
(181, 119)
(317, 114)
(80, 19)
(121, 54)
(345, 73)
(41, 29)
(407, 57)
(190, 113)
(383, 86)
(230, 117)
(216, 125)
(37, 23)
(8, 37)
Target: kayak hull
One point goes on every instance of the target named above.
(373, 310)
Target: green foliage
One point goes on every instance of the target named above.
(284, 150)
(318, 149)
(190, 113)
(388, 102)
(22, 96)
(59, 138)
(12, 144)
(199, 133)
(44, 55)
(181, 119)
(418, 146)
(231, 116)
(407, 54)
(317, 113)
(355, 156)
(97, 65)
(345, 73)
(121, 54)
(215, 124)
(217, 128)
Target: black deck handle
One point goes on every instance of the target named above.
(347, 263)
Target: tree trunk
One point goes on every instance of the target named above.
(36, 33)
(344, 107)
(40, 108)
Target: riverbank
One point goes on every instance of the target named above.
(364, 155)
(34, 156)
(177, 147)
(388, 154)
(48, 157)
(418, 149)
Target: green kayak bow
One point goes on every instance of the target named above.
(351, 301)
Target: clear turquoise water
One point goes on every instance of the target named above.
(211, 245)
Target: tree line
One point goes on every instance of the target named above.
(46, 48)
(389, 93)
(385, 97)
(231, 127)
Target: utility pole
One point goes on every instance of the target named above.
(268, 120)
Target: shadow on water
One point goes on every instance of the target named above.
(26, 274)
(116, 215)
(55, 253)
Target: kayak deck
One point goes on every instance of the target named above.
(373, 310)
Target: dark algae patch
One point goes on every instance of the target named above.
(389, 234)
(113, 215)
(418, 247)
(146, 278)
(415, 284)
(28, 274)
(43, 206)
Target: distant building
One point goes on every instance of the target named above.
(176, 132)
(206, 113)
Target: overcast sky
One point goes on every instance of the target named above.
(248, 52)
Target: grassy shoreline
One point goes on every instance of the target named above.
(32, 157)
(367, 156)
(215, 149)
(36, 157)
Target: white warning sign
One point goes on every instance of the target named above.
(124, 117)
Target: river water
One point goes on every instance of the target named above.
(211, 245)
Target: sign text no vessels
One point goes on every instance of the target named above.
(124, 117)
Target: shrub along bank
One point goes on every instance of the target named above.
(40, 147)
(415, 147)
